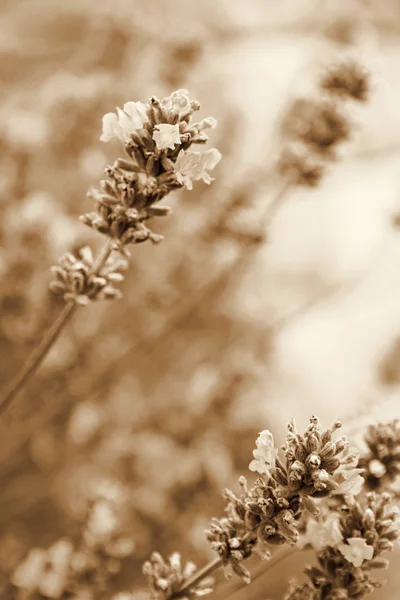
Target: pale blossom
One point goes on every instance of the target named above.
(348, 477)
(54, 579)
(28, 573)
(356, 551)
(352, 484)
(376, 468)
(166, 136)
(121, 124)
(207, 123)
(193, 166)
(45, 571)
(178, 102)
(322, 532)
(103, 522)
(265, 453)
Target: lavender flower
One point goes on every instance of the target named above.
(75, 279)
(347, 79)
(344, 569)
(314, 127)
(156, 138)
(382, 460)
(166, 577)
(265, 454)
(269, 512)
(124, 123)
(321, 531)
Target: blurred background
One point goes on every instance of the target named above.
(225, 328)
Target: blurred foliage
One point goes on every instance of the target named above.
(160, 392)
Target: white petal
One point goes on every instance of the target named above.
(125, 123)
(166, 136)
(86, 255)
(211, 158)
(208, 123)
(179, 102)
(137, 113)
(111, 128)
(255, 465)
(356, 551)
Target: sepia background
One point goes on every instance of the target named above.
(225, 328)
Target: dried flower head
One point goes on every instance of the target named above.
(157, 137)
(167, 577)
(382, 460)
(230, 540)
(348, 79)
(315, 463)
(268, 514)
(75, 279)
(345, 569)
(317, 123)
(313, 127)
(299, 166)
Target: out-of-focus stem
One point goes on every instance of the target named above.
(276, 202)
(50, 337)
(37, 355)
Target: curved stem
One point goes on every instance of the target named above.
(52, 334)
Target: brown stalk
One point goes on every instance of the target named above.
(40, 352)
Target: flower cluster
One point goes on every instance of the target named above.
(344, 567)
(382, 460)
(313, 128)
(315, 466)
(166, 578)
(81, 569)
(156, 137)
(347, 79)
(321, 530)
(76, 278)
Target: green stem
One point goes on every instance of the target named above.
(51, 335)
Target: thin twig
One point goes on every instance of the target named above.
(276, 203)
(217, 563)
(50, 337)
(37, 356)
(201, 574)
(102, 257)
(275, 560)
